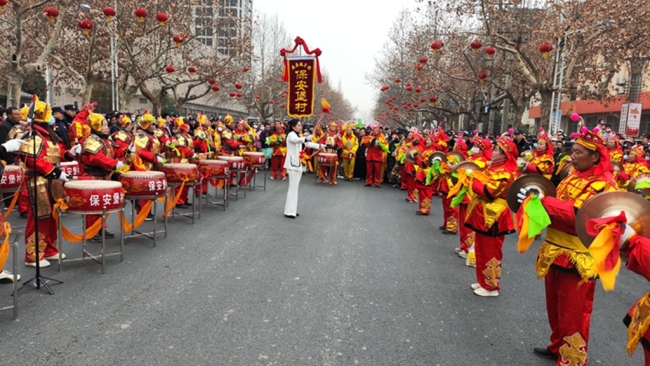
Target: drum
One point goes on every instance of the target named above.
(176, 173)
(254, 159)
(214, 168)
(234, 162)
(326, 159)
(92, 196)
(71, 168)
(12, 178)
(143, 185)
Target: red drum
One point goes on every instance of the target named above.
(254, 159)
(176, 173)
(234, 162)
(12, 178)
(71, 168)
(325, 159)
(92, 196)
(143, 185)
(214, 168)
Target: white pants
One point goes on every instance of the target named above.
(291, 206)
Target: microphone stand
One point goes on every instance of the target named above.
(38, 280)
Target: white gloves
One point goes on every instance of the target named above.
(168, 143)
(523, 193)
(119, 165)
(63, 176)
(626, 235)
(159, 159)
(131, 148)
(308, 138)
(194, 156)
(75, 150)
(13, 145)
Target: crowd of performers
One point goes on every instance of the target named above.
(473, 203)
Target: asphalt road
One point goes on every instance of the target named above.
(357, 279)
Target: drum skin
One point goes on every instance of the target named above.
(214, 168)
(177, 173)
(92, 196)
(12, 178)
(143, 185)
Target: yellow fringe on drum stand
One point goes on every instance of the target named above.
(67, 234)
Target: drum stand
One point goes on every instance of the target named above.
(252, 184)
(226, 190)
(238, 173)
(151, 235)
(189, 186)
(101, 258)
(14, 258)
(317, 173)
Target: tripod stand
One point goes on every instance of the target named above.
(38, 280)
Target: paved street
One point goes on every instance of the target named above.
(357, 279)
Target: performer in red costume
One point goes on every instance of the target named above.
(615, 150)
(203, 146)
(375, 144)
(481, 156)
(278, 141)
(417, 146)
(123, 137)
(147, 148)
(44, 173)
(542, 161)
(99, 161)
(488, 215)
(424, 178)
(450, 214)
(184, 145)
(564, 263)
(635, 163)
(332, 142)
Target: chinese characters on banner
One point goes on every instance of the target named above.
(302, 83)
(634, 120)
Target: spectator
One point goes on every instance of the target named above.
(60, 127)
(521, 142)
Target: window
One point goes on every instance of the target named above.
(142, 100)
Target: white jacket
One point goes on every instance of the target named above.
(294, 146)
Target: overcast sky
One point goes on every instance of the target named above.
(350, 33)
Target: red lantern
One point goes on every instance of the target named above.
(212, 81)
(162, 18)
(239, 95)
(51, 13)
(140, 13)
(409, 87)
(170, 69)
(422, 100)
(482, 76)
(490, 51)
(215, 89)
(178, 39)
(257, 97)
(437, 46)
(545, 48)
(419, 67)
(423, 60)
(85, 25)
(271, 102)
(418, 90)
(246, 68)
(191, 70)
(433, 100)
(384, 88)
(232, 94)
(397, 81)
(110, 13)
(2, 3)
(238, 86)
(476, 45)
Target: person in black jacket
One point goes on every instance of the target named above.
(60, 127)
(521, 142)
(71, 111)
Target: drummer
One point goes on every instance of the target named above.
(99, 161)
(202, 145)
(45, 172)
(147, 146)
(184, 148)
(123, 137)
(332, 142)
(541, 161)
(564, 263)
(278, 142)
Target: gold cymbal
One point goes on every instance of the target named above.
(437, 156)
(643, 177)
(454, 158)
(529, 181)
(411, 154)
(467, 166)
(608, 204)
(566, 170)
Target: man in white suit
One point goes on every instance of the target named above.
(294, 166)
